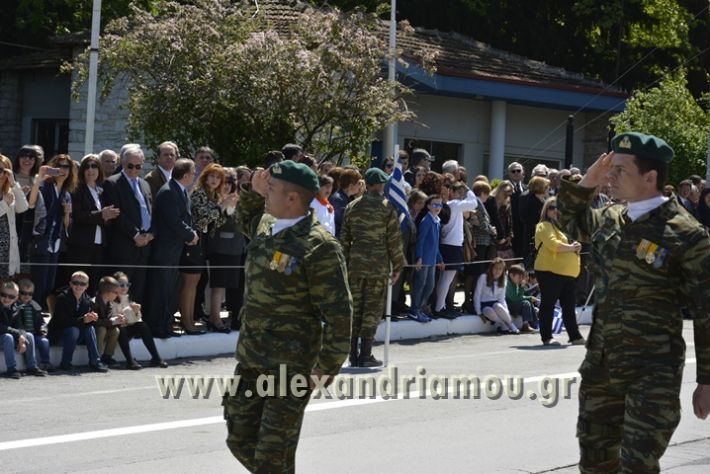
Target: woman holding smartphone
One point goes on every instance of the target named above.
(12, 201)
(53, 185)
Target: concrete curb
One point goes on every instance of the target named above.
(217, 344)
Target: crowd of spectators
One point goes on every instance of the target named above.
(170, 234)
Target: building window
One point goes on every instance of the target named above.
(52, 135)
(440, 151)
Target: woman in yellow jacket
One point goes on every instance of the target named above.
(556, 267)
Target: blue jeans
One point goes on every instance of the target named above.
(8, 345)
(423, 286)
(525, 309)
(42, 344)
(73, 336)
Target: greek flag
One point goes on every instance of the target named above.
(394, 192)
(557, 323)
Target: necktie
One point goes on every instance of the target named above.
(145, 214)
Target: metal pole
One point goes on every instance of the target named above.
(93, 67)
(388, 324)
(390, 132)
(569, 142)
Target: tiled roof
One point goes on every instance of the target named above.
(455, 54)
(458, 55)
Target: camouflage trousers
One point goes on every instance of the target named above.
(626, 420)
(263, 432)
(368, 305)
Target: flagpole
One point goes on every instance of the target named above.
(93, 66)
(391, 131)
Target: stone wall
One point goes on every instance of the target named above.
(110, 125)
(10, 113)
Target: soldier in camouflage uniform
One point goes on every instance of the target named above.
(651, 258)
(372, 243)
(297, 312)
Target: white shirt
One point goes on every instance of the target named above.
(327, 219)
(166, 173)
(282, 224)
(95, 194)
(484, 293)
(639, 208)
(452, 232)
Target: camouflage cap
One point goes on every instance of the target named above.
(375, 176)
(645, 146)
(296, 173)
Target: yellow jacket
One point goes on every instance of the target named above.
(548, 258)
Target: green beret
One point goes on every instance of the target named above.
(645, 146)
(296, 173)
(375, 176)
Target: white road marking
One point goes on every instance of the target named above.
(211, 420)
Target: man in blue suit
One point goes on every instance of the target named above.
(172, 222)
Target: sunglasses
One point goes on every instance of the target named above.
(64, 166)
(552, 208)
(437, 205)
(389, 166)
(28, 157)
(91, 166)
(516, 171)
(26, 293)
(8, 296)
(124, 285)
(131, 166)
(78, 283)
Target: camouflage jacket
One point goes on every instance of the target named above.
(371, 237)
(645, 271)
(297, 304)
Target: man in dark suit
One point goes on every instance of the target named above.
(167, 154)
(173, 230)
(516, 174)
(130, 233)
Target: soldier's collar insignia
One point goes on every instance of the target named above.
(625, 143)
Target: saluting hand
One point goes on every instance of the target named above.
(260, 182)
(597, 173)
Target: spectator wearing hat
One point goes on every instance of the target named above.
(372, 243)
(419, 158)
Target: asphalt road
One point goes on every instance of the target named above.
(120, 423)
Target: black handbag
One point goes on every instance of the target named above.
(193, 255)
(529, 260)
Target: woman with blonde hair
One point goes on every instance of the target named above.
(557, 267)
(12, 201)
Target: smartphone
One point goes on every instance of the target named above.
(53, 171)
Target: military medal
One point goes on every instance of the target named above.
(661, 255)
(275, 260)
(651, 253)
(641, 249)
(283, 262)
(291, 266)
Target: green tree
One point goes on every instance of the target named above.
(669, 111)
(209, 73)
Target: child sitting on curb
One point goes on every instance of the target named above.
(518, 303)
(11, 337)
(109, 319)
(29, 316)
(489, 297)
